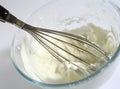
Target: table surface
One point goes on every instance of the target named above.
(9, 77)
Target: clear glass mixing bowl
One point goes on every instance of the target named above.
(71, 14)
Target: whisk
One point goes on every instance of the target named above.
(58, 43)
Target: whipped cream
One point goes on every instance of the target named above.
(42, 66)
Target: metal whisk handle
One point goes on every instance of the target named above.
(3, 14)
(6, 16)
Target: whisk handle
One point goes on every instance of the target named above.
(5, 15)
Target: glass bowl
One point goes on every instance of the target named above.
(68, 15)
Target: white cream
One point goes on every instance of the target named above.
(42, 66)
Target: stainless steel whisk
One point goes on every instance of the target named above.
(58, 43)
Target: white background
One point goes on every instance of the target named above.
(9, 77)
